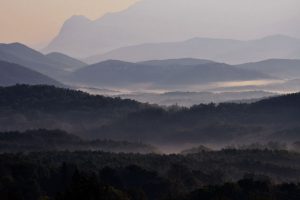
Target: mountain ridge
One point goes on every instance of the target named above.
(25, 56)
(12, 74)
(81, 37)
(99, 117)
(69, 63)
(219, 50)
(122, 73)
(283, 68)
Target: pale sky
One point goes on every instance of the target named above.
(36, 22)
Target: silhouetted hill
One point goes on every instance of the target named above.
(54, 108)
(56, 140)
(25, 56)
(196, 150)
(270, 119)
(161, 74)
(50, 98)
(220, 50)
(12, 74)
(282, 68)
(53, 65)
(32, 107)
(68, 62)
(100, 175)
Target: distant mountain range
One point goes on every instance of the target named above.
(157, 21)
(114, 73)
(283, 68)
(170, 74)
(54, 65)
(12, 74)
(219, 50)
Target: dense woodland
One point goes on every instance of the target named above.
(97, 117)
(50, 140)
(74, 158)
(227, 174)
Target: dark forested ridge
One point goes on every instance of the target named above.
(275, 118)
(32, 107)
(98, 175)
(52, 99)
(56, 140)
(44, 164)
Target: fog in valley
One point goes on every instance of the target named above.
(154, 100)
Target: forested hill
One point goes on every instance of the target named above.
(24, 107)
(271, 119)
(50, 98)
(56, 140)
(98, 175)
(32, 107)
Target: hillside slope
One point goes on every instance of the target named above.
(114, 73)
(32, 107)
(52, 65)
(12, 74)
(283, 68)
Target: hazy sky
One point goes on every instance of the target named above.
(35, 22)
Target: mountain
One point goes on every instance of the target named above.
(114, 73)
(25, 56)
(156, 21)
(12, 74)
(33, 107)
(51, 65)
(271, 119)
(219, 50)
(282, 68)
(69, 63)
(55, 108)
